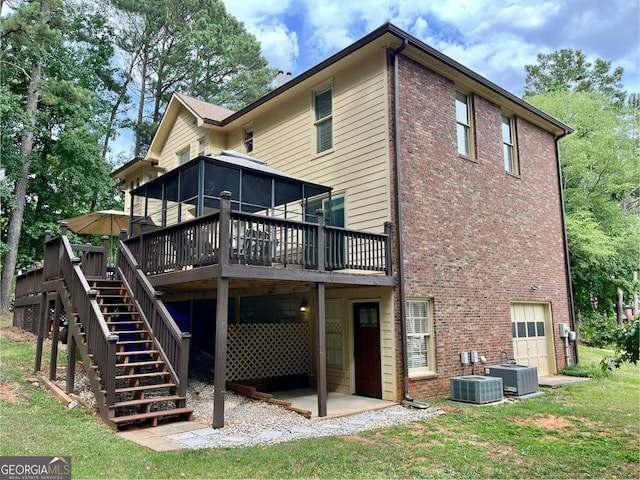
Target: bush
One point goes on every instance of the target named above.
(594, 329)
(626, 340)
(582, 370)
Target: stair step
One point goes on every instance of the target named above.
(129, 332)
(148, 400)
(136, 352)
(133, 342)
(140, 364)
(187, 412)
(126, 322)
(136, 376)
(142, 388)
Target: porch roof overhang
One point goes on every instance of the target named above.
(197, 185)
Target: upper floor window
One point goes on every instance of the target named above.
(420, 339)
(248, 139)
(202, 145)
(184, 156)
(509, 146)
(463, 122)
(323, 108)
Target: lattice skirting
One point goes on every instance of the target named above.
(267, 350)
(27, 317)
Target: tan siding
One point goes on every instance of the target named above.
(183, 133)
(359, 163)
(345, 381)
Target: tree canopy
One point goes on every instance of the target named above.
(69, 76)
(191, 46)
(569, 70)
(600, 169)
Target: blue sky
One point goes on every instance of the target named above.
(496, 38)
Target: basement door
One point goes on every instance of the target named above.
(366, 333)
(531, 330)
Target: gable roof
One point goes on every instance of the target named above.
(208, 112)
(392, 37)
(386, 36)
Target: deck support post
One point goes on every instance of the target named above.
(222, 314)
(388, 253)
(55, 335)
(44, 316)
(71, 362)
(321, 352)
(220, 365)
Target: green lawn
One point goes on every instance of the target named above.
(586, 430)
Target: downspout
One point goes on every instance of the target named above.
(572, 308)
(407, 399)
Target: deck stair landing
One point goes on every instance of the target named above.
(145, 392)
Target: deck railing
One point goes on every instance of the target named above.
(259, 240)
(61, 262)
(29, 283)
(172, 343)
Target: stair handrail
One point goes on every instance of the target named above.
(172, 343)
(101, 342)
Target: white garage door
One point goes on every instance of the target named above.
(532, 333)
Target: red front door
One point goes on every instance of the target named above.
(366, 331)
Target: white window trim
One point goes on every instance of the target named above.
(245, 141)
(431, 344)
(316, 91)
(179, 154)
(467, 126)
(514, 168)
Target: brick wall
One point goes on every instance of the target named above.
(475, 237)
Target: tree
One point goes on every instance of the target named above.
(568, 70)
(191, 46)
(53, 62)
(626, 340)
(600, 169)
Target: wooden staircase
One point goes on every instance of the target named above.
(145, 393)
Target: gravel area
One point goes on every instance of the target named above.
(253, 422)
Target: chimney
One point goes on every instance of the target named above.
(280, 72)
(288, 77)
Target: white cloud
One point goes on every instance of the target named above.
(279, 45)
(493, 37)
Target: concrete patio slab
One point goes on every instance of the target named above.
(156, 439)
(557, 381)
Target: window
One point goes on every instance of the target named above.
(335, 218)
(508, 145)
(202, 144)
(184, 156)
(323, 108)
(463, 122)
(333, 332)
(248, 139)
(420, 342)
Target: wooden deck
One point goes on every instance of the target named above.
(250, 248)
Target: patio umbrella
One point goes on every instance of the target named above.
(103, 222)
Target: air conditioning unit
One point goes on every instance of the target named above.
(516, 379)
(476, 389)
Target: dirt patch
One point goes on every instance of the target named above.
(17, 334)
(551, 422)
(10, 392)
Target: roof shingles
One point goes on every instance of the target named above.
(206, 111)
